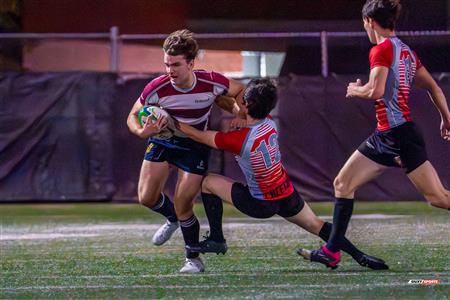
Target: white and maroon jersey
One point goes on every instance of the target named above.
(258, 154)
(392, 109)
(191, 106)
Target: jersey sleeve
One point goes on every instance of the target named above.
(232, 141)
(418, 62)
(149, 95)
(221, 84)
(382, 55)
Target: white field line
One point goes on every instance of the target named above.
(46, 236)
(256, 286)
(93, 230)
(98, 255)
(227, 274)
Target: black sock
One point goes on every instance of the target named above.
(347, 246)
(214, 211)
(165, 207)
(343, 210)
(190, 229)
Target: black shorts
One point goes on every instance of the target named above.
(184, 153)
(404, 142)
(263, 209)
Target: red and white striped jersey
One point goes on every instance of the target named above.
(191, 106)
(258, 154)
(392, 109)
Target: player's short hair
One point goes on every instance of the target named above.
(385, 12)
(261, 97)
(181, 42)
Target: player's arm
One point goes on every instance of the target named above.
(149, 128)
(424, 80)
(236, 91)
(228, 104)
(132, 120)
(204, 137)
(373, 89)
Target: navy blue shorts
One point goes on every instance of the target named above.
(184, 153)
(404, 141)
(263, 209)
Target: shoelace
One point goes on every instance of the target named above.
(166, 228)
(206, 236)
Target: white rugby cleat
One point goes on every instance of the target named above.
(164, 233)
(193, 265)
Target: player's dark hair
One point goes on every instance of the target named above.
(261, 97)
(385, 12)
(181, 42)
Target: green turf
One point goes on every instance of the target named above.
(103, 251)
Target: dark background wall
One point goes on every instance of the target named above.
(63, 136)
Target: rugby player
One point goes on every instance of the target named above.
(187, 95)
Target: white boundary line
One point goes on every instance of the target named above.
(320, 286)
(294, 274)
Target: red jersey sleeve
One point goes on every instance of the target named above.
(418, 62)
(231, 141)
(382, 55)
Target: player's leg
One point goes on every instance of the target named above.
(188, 186)
(152, 178)
(427, 181)
(420, 171)
(357, 171)
(308, 220)
(218, 185)
(215, 188)
(192, 166)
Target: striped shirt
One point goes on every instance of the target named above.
(392, 109)
(191, 106)
(258, 155)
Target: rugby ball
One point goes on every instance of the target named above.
(152, 114)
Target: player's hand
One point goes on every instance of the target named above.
(151, 128)
(445, 130)
(238, 123)
(352, 86)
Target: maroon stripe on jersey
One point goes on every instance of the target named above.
(214, 78)
(153, 86)
(188, 113)
(200, 87)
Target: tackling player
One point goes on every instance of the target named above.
(269, 190)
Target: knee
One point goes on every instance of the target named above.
(206, 184)
(341, 188)
(147, 198)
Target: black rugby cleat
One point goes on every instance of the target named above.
(372, 262)
(209, 246)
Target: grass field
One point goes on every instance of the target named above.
(104, 251)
